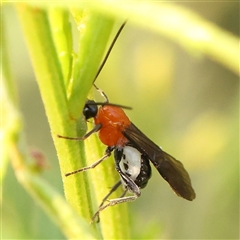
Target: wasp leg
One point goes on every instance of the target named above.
(106, 155)
(113, 202)
(113, 189)
(95, 129)
(130, 185)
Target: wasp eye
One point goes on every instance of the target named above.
(90, 109)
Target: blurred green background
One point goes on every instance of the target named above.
(183, 101)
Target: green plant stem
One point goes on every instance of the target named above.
(50, 80)
(26, 168)
(94, 35)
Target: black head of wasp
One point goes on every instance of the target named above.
(133, 151)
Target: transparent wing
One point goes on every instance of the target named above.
(170, 169)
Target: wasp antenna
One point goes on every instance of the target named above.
(110, 104)
(109, 51)
(105, 59)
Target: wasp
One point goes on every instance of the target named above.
(133, 151)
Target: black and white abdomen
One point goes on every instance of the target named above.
(133, 164)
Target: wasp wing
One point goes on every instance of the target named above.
(170, 169)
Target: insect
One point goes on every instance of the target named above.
(133, 152)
